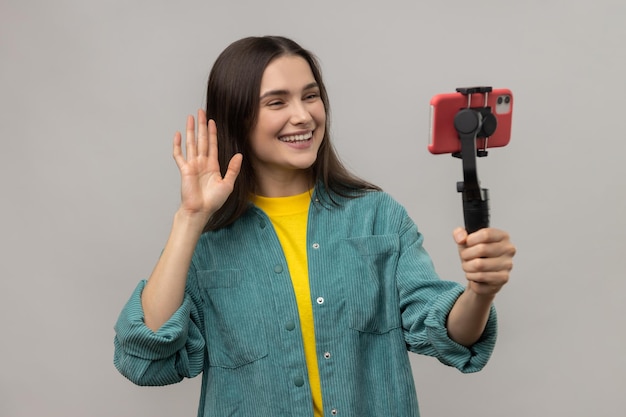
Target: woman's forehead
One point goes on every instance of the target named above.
(287, 73)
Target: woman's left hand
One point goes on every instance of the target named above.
(486, 257)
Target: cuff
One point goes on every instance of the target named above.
(466, 359)
(138, 340)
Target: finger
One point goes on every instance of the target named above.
(202, 134)
(484, 250)
(190, 144)
(234, 166)
(486, 235)
(212, 142)
(177, 150)
(504, 249)
(460, 235)
(487, 265)
(492, 279)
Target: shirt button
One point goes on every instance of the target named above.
(262, 224)
(327, 355)
(298, 381)
(316, 245)
(290, 325)
(333, 411)
(320, 300)
(278, 269)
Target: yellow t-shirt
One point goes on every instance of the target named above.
(289, 217)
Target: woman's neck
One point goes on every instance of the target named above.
(283, 185)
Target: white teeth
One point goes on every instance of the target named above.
(297, 138)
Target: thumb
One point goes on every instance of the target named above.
(460, 235)
(234, 166)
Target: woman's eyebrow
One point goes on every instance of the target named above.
(286, 92)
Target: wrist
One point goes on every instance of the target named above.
(478, 297)
(191, 220)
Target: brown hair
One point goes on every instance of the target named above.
(233, 102)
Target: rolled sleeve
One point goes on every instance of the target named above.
(426, 302)
(466, 359)
(163, 357)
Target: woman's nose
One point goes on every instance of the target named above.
(300, 114)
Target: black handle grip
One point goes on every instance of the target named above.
(476, 213)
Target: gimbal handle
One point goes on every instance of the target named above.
(471, 123)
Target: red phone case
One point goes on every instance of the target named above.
(444, 107)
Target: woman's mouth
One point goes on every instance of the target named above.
(296, 138)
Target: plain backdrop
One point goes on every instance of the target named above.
(91, 93)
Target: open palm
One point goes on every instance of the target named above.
(203, 189)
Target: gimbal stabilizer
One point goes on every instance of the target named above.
(472, 123)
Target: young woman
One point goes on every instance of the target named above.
(295, 287)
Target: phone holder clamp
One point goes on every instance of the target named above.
(472, 123)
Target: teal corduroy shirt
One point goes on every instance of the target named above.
(375, 297)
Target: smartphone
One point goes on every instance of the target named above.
(444, 107)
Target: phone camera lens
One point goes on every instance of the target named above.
(499, 100)
(507, 99)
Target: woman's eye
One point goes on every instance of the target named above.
(275, 103)
(312, 96)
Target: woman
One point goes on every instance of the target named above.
(295, 287)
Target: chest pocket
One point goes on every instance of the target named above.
(234, 334)
(370, 275)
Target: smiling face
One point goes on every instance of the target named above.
(289, 128)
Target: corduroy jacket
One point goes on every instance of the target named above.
(375, 297)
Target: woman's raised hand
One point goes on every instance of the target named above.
(203, 189)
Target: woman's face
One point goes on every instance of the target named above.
(290, 124)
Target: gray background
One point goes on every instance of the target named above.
(91, 93)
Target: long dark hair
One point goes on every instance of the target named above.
(233, 102)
